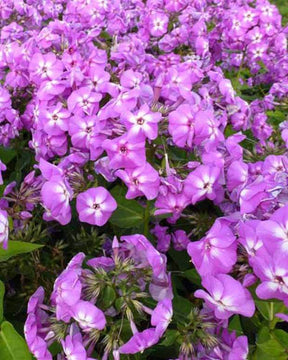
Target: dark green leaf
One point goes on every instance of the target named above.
(129, 213)
(193, 276)
(16, 248)
(170, 337)
(12, 345)
(235, 324)
(181, 307)
(7, 154)
(107, 298)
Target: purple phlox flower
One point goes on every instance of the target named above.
(98, 79)
(226, 296)
(36, 320)
(216, 252)
(84, 101)
(173, 203)
(140, 341)
(2, 168)
(56, 195)
(180, 240)
(226, 89)
(125, 153)
(252, 195)
(271, 269)
(45, 67)
(106, 263)
(124, 101)
(50, 89)
(130, 79)
(73, 347)
(55, 119)
(201, 183)
(86, 133)
(236, 179)
(248, 236)
(67, 288)
(158, 23)
(95, 206)
(4, 228)
(143, 180)
(88, 316)
(142, 123)
(183, 126)
(5, 100)
(102, 166)
(163, 238)
(49, 170)
(274, 232)
(162, 315)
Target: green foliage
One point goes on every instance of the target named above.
(129, 213)
(16, 248)
(12, 345)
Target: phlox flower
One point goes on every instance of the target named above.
(142, 123)
(226, 296)
(124, 152)
(56, 195)
(95, 206)
(202, 183)
(216, 252)
(143, 180)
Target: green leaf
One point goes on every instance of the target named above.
(193, 276)
(273, 348)
(181, 307)
(12, 345)
(181, 258)
(235, 324)
(268, 309)
(107, 298)
(16, 248)
(7, 154)
(170, 337)
(282, 337)
(2, 292)
(129, 213)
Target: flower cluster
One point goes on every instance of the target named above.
(122, 285)
(138, 95)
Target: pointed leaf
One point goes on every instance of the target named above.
(12, 345)
(16, 248)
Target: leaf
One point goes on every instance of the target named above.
(193, 276)
(268, 309)
(128, 213)
(273, 348)
(282, 337)
(181, 258)
(16, 248)
(107, 298)
(12, 345)
(235, 324)
(181, 307)
(7, 154)
(170, 337)
(2, 292)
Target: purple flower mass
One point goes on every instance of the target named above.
(161, 123)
